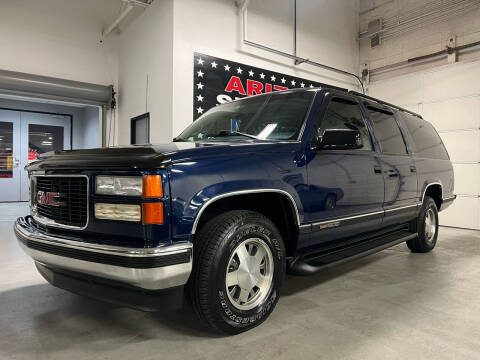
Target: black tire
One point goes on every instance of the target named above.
(214, 247)
(423, 242)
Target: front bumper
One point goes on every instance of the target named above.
(156, 268)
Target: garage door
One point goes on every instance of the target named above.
(448, 97)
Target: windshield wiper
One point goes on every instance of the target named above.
(231, 133)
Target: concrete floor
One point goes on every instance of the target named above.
(391, 305)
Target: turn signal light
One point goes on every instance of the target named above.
(152, 213)
(152, 186)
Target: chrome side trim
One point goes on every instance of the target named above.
(401, 207)
(347, 218)
(50, 222)
(243, 192)
(450, 198)
(362, 215)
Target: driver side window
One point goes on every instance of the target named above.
(344, 114)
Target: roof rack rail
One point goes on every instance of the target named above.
(384, 103)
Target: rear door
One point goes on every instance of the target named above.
(397, 164)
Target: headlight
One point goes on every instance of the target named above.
(120, 212)
(118, 185)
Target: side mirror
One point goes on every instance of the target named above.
(339, 139)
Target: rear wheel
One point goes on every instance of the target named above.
(238, 270)
(427, 227)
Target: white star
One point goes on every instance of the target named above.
(200, 61)
(200, 85)
(302, 84)
(214, 64)
(262, 76)
(239, 70)
(311, 86)
(227, 68)
(200, 98)
(199, 110)
(283, 80)
(200, 73)
(250, 73)
(293, 82)
(272, 78)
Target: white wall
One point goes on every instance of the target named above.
(448, 97)
(213, 27)
(86, 131)
(145, 72)
(429, 39)
(58, 38)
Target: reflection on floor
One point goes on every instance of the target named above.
(11, 211)
(391, 305)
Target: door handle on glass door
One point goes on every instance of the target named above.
(16, 162)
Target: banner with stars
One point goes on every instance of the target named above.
(217, 81)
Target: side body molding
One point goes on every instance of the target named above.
(243, 192)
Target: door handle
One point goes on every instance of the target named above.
(16, 162)
(413, 169)
(392, 173)
(377, 169)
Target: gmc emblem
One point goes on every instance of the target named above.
(48, 198)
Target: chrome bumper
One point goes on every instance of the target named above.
(148, 268)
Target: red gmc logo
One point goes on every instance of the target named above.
(48, 198)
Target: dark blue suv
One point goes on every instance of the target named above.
(296, 181)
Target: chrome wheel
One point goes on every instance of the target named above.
(249, 274)
(430, 225)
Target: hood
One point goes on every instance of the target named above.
(151, 156)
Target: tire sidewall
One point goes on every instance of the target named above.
(234, 318)
(428, 204)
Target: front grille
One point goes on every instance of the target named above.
(73, 199)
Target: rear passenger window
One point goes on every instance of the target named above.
(426, 139)
(344, 114)
(387, 131)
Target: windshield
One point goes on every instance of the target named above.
(278, 116)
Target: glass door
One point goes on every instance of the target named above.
(9, 155)
(41, 133)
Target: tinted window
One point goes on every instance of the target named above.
(427, 142)
(344, 114)
(387, 132)
(278, 116)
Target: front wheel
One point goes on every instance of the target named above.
(238, 270)
(427, 227)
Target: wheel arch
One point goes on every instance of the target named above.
(245, 192)
(435, 191)
(287, 221)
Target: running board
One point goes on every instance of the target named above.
(314, 263)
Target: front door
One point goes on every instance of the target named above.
(10, 170)
(27, 135)
(346, 188)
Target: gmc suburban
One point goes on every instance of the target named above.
(296, 180)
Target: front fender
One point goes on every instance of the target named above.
(197, 184)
